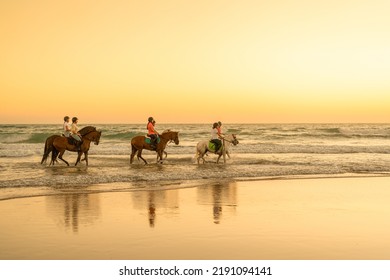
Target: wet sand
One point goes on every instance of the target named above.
(301, 219)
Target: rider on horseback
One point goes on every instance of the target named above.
(219, 128)
(75, 133)
(215, 137)
(67, 127)
(152, 133)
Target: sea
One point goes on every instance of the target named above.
(264, 152)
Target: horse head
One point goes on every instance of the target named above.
(171, 135)
(86, 130)
(175, 137)
(97, 137)
(234, 141)
(93, 136)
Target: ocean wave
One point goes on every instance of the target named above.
(252, 132)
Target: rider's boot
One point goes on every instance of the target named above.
(152, 144)
(78, 145)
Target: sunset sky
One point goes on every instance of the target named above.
(195, 61)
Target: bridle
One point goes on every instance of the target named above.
(96, 139)
(170, 140)
(234, 141)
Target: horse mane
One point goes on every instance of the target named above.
(85, 130)
(168, 131)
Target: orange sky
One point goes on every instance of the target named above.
(195, 61)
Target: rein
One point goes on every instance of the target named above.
(166, 133)
(85, 136)
(229, 140)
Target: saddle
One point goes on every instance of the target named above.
(71, 140)
(211, 147)
(148, 139)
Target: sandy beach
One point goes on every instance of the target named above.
(302, 219)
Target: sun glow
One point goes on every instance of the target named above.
(280, 61)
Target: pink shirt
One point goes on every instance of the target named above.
(151, 128)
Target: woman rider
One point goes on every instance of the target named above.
(66, 126)
(75, 133)
(220, 129)
(152, 133)
(215, 135)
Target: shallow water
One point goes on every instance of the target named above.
(264, 151)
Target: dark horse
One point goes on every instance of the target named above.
(138, 144)
(49, 147)
(61, 144)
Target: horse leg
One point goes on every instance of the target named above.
(219, 156)
(60, 157)
(165, 153)
(199, 156)
(159, 156)
(78, 157)
(201, 153)
(201, 150)
(86, 157)
(139, 156)
(54, 154)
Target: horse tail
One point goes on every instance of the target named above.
(45, 153)
(133, 149)
(54, 154)
(199, 150)
(196, 153)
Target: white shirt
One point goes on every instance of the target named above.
(67, 127)
(214, 133)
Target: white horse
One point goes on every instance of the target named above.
(203, 147)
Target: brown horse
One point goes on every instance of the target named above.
(49, 144)
(138, 143)
(61, 144)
